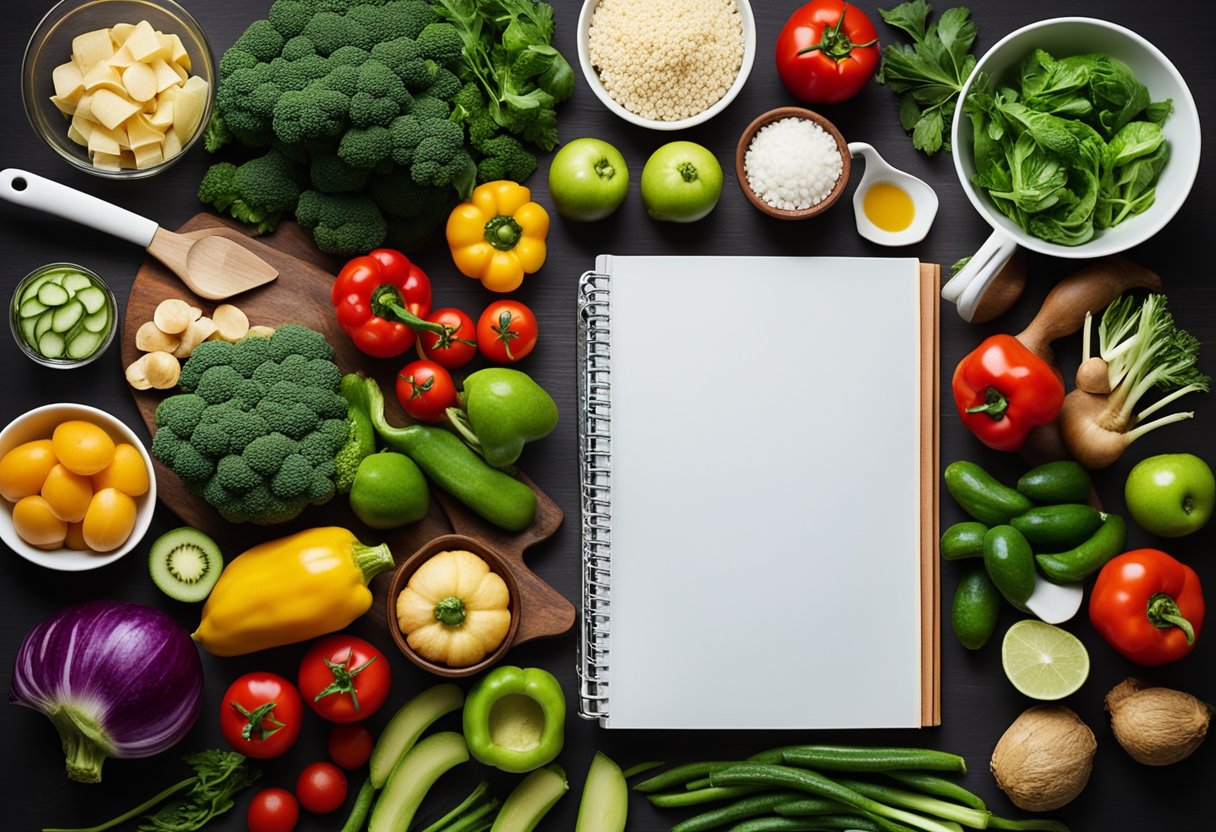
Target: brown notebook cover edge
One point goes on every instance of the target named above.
(930, 608)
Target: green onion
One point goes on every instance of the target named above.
(739, 810)
(921, 803)
(460, 809)
(682, 774)
(640, 768)
(671, 800)
(939, 786)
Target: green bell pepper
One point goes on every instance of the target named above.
(500, 410)
(515, 718)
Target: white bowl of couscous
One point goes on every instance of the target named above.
(666, 64)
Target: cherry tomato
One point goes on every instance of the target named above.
(344, 679)
(457, 346)
(506, 331)
(350, 745)
(260, 715)
(321, 788)
(425, 390)
(827, 52)
(273, 810)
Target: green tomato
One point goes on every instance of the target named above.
(681, 182)
(588, 180)
(389, 491)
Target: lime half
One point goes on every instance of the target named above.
(1042, 661)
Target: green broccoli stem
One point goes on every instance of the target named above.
(372, 560)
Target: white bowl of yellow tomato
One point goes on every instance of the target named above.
(78, 487)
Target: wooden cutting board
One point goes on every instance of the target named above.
(301, 294)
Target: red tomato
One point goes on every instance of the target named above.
(827, 52)
(321, 788)
(344, 678)
(506, 331)
(260, 715)
(350, 745)
(425, 390)
(458, 344)
(273, 810)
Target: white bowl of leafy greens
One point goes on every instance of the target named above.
(1076, 138)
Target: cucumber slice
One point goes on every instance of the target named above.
(28, 326)
(407, 725)
(52, 295)
(605, 803)
(75, 281)
(66, 316)
(92, 298)
(51, 345)
(185, 563)
(31, 291)
(413, 777)
(57, 278)
(99, 321)
(42, 325)
(531, 800)
(32, 308)
(84, 345)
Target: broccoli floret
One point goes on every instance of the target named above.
(428, 106)
(259, 192)
(505, 158)
(400, 19)
(311, 113)
(297, 47)
(444, 86)
(380, 95)
(441, 43)
(330, 31)
(331, 175)
(235, 437)
(440, 158)
(246, 102)
(365, 149)
(235, 59)
(261, 40)
(469, 108)
(299, 73)
(341, 223)
(351, 56)
(216, 134)
(290, 17)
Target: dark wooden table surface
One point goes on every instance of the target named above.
(977, 703)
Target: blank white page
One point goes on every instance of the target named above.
(765, 492)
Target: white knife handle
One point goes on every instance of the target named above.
(33, 191)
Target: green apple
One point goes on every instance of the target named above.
(588, 180)
(1171, 495)
(681, 182)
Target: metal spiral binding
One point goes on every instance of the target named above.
(594, 453)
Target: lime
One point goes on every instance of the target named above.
(1042, 661)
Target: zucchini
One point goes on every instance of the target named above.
(964, 540)
(531, 800)
(976, 607)
(1010, 563)
(1056, 528)
(413, 777)
(981, 496)
(605, 803)
(407, 725)
(1063, 481)
(1088, 557)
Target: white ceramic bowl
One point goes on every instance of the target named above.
(39, 423)
(1061, 37)
(597, 87)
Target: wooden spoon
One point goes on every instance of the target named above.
(213, 267)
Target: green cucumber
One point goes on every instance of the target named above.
(981, 496)
(1063, 481)
(51, 345)
(407, 725)
(964, 540)
(1088, 557)
(531, 800)
(1055, 528)
(413, 777)
(66, 316)
(76, 281)
(977, 604)
(94, 299)
(83, 344)
(31, 291)
(31, 308)
(605, 803)
(28, 328)
(51, 295)
(98, 322)
(1010, 563)
(42, 325)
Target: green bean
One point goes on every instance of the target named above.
(1030, 825)
(640, 768)
(480, 818)
(363, 805)
(740, 809)
(940, 786)
(852, 758)
(671, 800)
(682, 774)
(822, 822)
(806, 806)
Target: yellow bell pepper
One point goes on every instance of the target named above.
(291, 589)
(498, 236)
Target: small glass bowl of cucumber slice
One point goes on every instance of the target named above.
(63, 315)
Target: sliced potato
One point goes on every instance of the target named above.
(172, 146)
(142, 133)
(92, 48)
(75, 135)
(68, 81)
(140, 81)
(195, 334)
(173, 316)
(105, 161)
(67, 106)
(143, 43)
(137, 375)
(188, 107)
(260, 331)
(231, 323)
(178, 54)
(196, 312)
(121, 59)
(83, 125)
(112, 109)
(151, 338)
(162, 370)
(102, 140)
(119, 33)
(166, 76)
(150, 155)
(102, 76)
(84, 107)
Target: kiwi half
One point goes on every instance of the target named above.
(185, 563)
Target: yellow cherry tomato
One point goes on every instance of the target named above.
(82, 447)
(127, 472)
(24, 468)
(67, 494)
(75, 537)
(109, 520)
(36, 524)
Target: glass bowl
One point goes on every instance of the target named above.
(51, 45)
(25, 326)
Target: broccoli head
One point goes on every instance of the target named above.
(259, 192)
(238, 441)
(504, 157)
(342, 224)
(331, 175)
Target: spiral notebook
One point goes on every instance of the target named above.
(758, 455)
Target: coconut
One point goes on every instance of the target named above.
(1157, 726)
(1043, 760)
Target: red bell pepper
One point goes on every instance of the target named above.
(1148, 606)
(827, 52)
(383, 300)
(1003, 391)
